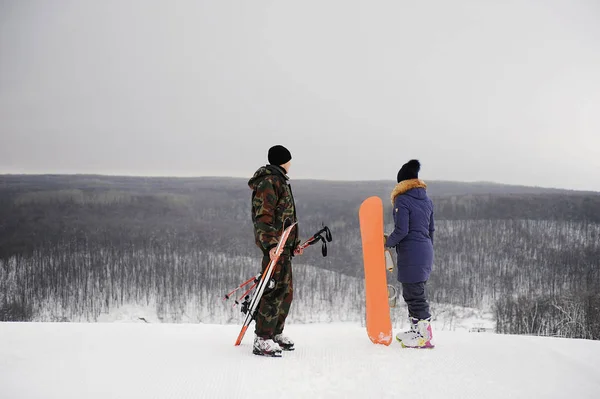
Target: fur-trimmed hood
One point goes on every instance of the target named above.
(406, 185)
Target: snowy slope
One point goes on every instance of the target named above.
(130, 360)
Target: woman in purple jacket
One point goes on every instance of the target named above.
(413, 239)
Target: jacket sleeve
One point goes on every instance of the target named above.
(400, 223)
(263, 206)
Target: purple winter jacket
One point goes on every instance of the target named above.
(413, 231)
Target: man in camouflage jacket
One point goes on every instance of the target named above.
(273, 209)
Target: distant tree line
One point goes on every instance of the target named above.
(543, 270)
(79, 280)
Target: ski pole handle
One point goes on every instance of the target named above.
(318, 237)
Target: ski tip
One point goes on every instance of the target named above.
(241, 336)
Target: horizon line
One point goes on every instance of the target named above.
(157, 176)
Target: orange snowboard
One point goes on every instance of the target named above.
(379, 324)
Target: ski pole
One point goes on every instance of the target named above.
(240, 286)
(308, 242)
(237, 302)
(319, 237)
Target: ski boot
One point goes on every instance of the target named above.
(284, 342)
(422, 337)
(266, 347)
(411, 333)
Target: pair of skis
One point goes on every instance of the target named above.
(262, 284)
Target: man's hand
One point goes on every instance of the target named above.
(273, 253)
(298, 251)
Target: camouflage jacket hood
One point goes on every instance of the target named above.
(263, 172)
(272, 207)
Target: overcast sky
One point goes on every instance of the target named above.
(503, 91)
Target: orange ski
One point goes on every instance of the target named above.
(379, 324)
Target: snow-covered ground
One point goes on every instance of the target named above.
(139, 360)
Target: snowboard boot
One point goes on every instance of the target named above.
(284, 342)
(411, 333)
(423, 337)
(266, 347)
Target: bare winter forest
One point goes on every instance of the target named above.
(75, 247)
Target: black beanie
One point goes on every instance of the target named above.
(409, 170)
(279, 155)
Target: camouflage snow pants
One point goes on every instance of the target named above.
(275, 303)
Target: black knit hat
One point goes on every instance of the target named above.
(409, 170)
(279, 155)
